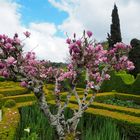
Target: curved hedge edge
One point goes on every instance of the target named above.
(114, 115)
(130, 111)
(123, 96)
(13, 92)
(127, 78)
(27, 97)
(117, 83)
(9, 123)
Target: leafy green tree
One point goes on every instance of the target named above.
(134, 56)
(115, 32)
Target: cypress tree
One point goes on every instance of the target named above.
(115, 33)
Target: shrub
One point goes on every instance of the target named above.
(122, 82)
(10, 103)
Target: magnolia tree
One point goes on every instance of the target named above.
(86, 56)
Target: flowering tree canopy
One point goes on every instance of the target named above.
(86, 56)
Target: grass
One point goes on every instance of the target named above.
(35, 121)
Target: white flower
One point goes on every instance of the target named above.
(27, 130)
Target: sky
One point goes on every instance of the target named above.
(50, 20)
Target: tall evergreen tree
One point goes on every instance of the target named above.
(115, 32)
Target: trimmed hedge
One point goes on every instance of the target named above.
(123, 96)
(9, 84)
(10, 103)
(20, 98)
(130, 123)
(28, 97)
(130, 111)
(123, 83)
(13, 91)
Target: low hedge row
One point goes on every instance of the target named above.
(27, 97)
(20, 98)
(130, 111)
(9, 84)
(9, 123)
(130, 123)
(9, 103)
(109, 95)
(123, 96)
(13, 91)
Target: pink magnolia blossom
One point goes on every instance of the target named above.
(107, 77)
(1, 65)
(27, 34)
(5, 74)
(79, 42)
(68, 41)
(89, 33)
(11, 60)
(130, 65)
(23, 84)
(91, 84)
(8, 46)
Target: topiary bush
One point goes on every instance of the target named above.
(10, 103)
(122, 82)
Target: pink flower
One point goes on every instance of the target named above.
(98, 79)
(120, 45)
(89, 33)
(91, 84)
(5, 74)
(27, 34)
(107, 76)
(68, 41)
(70, 67)
(99, 47)
(23, 84)
(11, 60)
(130, 65)
(123, 58)
(1, 65)
(78, 42)
(8, 46)
(17, 41)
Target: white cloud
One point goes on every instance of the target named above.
(43, 38)
(9, 17)
(96, 16)
(82, 14)
(44, 42)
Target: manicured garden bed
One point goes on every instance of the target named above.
(124, 121)
(34, 125)
(127, 103)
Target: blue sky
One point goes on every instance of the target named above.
(49, 20)
(40, 11)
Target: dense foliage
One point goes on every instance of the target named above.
(134, 56)
(115, 31)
